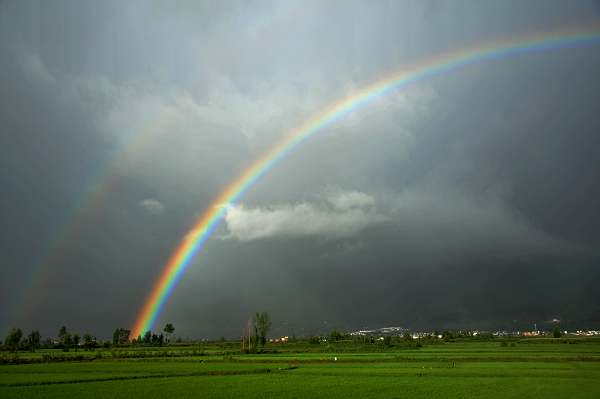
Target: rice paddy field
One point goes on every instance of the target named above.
(536, 368)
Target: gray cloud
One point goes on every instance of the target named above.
(340, 214)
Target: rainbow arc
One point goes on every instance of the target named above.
(205, 225)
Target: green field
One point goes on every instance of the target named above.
(465, 369)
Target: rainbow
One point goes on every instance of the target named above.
(441, 64)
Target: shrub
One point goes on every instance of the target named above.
(314, 340)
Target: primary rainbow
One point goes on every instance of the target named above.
(446, 62)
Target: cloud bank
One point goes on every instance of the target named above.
(337, 214)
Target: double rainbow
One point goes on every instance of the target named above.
(447, 62)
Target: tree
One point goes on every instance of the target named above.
(556, 332)
(335, 335)
(314, 340)
(157, 339)
(116, 336)
(67, 341)
(33, 340)
(262, 325)
(47, 343)
(169, 329)
(121, 336)
(147, 339)
(64, 337)
(124, 337)
(249, 339)
(88, 341)
(13, 339)
(75, 340)
(447, 335)
(61, 333)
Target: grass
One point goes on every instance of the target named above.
(533, 369)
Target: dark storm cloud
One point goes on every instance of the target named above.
(474, 193)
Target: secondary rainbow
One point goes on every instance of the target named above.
(446, 62)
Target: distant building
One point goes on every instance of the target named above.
(280, 340)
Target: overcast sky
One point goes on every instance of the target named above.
(466, 200)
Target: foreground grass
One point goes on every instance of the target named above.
(452, 370)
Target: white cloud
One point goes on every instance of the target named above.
(339, 214)
(346, 200)
(152, 206)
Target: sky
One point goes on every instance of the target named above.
(467, 200)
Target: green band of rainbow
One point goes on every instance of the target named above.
(206, 224)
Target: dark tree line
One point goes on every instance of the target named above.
(67, 340)
(150, 338)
